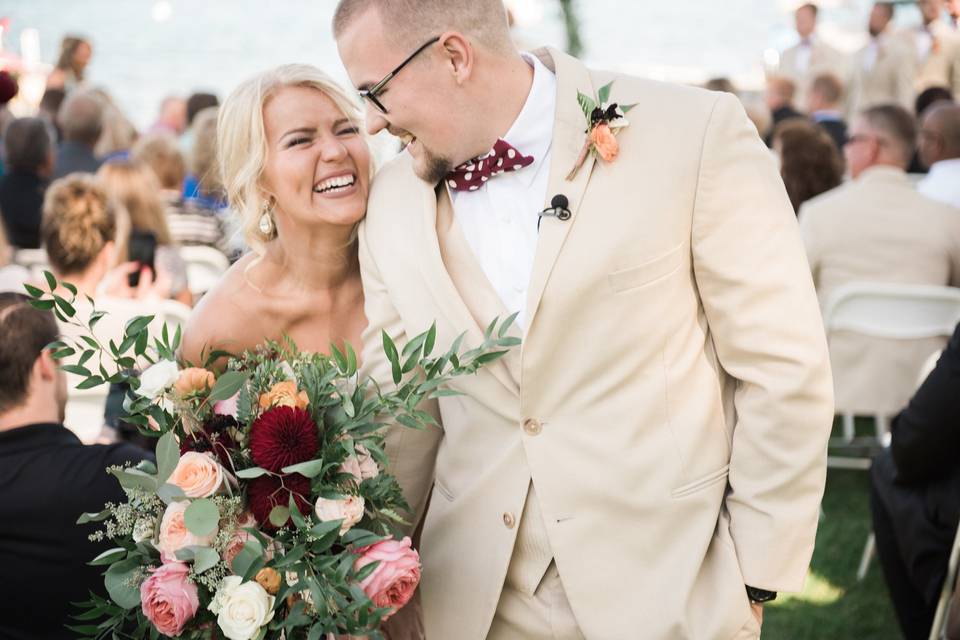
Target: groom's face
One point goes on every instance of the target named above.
(416, 99)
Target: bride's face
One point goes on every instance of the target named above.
(318, 165)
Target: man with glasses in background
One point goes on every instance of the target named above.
(650, 462)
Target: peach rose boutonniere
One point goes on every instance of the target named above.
(284, 394)
(604, 120)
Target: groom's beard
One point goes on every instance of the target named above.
(429, 167)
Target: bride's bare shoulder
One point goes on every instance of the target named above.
(226, 317)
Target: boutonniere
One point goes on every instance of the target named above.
(603, 122)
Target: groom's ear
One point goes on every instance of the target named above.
(459, 55)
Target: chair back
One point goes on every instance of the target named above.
(894, 311)
(205, 267)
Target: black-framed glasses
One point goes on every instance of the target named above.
(372, 93)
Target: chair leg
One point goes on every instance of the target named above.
(868, 551)
(848, 430)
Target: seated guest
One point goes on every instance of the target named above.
(779, 100)
(135, 188)
(196, 103)
(809, 162)
(824, 106)
(203, 181)
(877, 228)
(915, 495)
(28, 146)
(172, 118)
(49, 107)
(47, 480)
(940, 150)
(118, 133)
(81, 121)
(189, 223)
(925, 101)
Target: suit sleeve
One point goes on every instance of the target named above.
(763, 318)
(411, 453)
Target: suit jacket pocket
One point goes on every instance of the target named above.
(702, 482)
(442, 490)
(648, 272)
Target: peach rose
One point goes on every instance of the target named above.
(284, 394)
(352, 466)
(174, 534)
(368, 466)
(194, 380)
(168, 598)
(395, 579)
(605, 142)
(350, 510)
(199, 475)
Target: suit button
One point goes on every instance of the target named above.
(532, 427)
(509, 520)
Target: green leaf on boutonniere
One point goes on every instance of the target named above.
(626, 107)
(604, 93)
(587, 104)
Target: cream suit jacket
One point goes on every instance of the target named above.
(879, 229)
(941, 68)
(823, 59)
(888, 81)
(674, 358)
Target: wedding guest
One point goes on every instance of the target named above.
(48, 479)
(49, 107)
(9, 88)
(137, 190)
(809, 162)
(779, 100)
(81, 120)
(202, 183)
(936, 49)
(69, 72)
(915, 495)
(283, 135)
(811, 56)
(28, 146)
(720, 84)
(940, 150)
(118, 133)
(172, 118)
(882, 71)
(877, 228)
(929, 97)
(196, 103)
(189, 223)
(824, 104)
(12, 276)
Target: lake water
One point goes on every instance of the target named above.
(146, 49)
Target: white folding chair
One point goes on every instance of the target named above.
(938, 629)
(33, 260)
(205, 267)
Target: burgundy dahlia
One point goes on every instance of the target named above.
(283, 436)
(214, 438)
(266, 492)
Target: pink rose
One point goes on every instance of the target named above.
(368, 466)
(168, 598)
(227, 407)
(352, 466)
(174, 534)
(350, 510)
(395, 579)
(198, 474)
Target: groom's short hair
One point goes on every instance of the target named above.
(413, 22)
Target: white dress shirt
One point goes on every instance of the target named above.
(500, 218)
(943, 182)
(804, 55)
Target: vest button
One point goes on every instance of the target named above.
(509, 521)
(532, 427)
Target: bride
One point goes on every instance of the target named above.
(297, 170)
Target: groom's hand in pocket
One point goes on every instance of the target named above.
(757, 610)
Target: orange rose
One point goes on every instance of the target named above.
(194, 380)
(284, 394)
(605, 142)
(269, 579)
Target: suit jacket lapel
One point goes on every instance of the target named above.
(569, 135)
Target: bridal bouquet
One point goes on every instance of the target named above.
(268, 513)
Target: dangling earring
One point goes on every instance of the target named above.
(266, 220)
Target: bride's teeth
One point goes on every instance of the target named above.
(334, 183)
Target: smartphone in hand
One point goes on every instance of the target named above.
(143, 251)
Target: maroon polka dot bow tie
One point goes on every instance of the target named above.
(471, 175)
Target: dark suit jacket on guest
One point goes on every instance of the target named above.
(918, 478)
(21, 201)
(73, 156)
(779, 115)
(837, 129)
(47, 480)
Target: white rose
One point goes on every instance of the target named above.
(349, 510)
(368, 466)
(241, 609)
(157, 378)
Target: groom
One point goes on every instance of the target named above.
(651, 462)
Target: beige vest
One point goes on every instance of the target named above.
(531, 552)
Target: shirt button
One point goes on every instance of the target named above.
(532, 427)
(509, 521)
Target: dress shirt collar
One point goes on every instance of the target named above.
(34, 436)
(884, 173)
(532, 132)
(945, 168)
(827, 115)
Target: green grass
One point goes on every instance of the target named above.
(833, 605)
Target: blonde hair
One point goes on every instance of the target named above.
(137, 190)
(242, 138)
(159, 151)
(78, 221)
(203, 153)
(118, 133)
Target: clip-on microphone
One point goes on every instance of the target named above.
(557, 209)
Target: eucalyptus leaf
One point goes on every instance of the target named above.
(279, 515)
(94, 517)
(168, 455)
(201, 517)
(135, 479)
(108, 557)
(309, 469)
(252, 551)
(120, 583)
(227, 385)
(251, 473)
(204, 558)
(170, 493)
